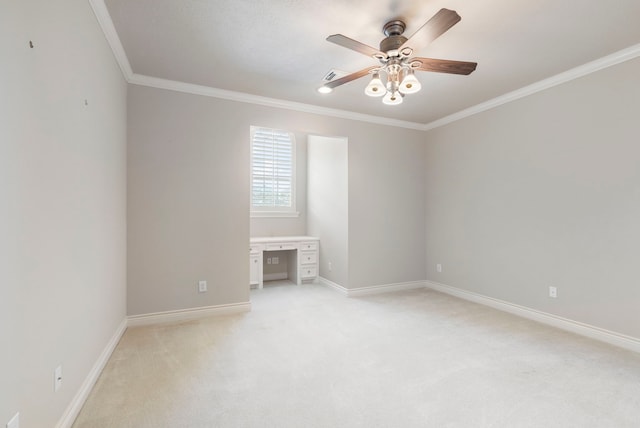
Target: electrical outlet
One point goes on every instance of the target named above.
(57, 379)
(14, 422)
(202, 286)
(553, 292)
(330, 267)
(275, 260)
(438, 267)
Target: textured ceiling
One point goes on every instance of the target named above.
(277, 48)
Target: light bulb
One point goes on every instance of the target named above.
(410, 85)
(392, 98)
(324, 89)
(375, 88)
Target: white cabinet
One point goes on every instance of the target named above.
(308, 272)
(280, 246)
(254, 269)
(255, 265)
(303, 249)
(308, 257)
(309, 246)
(308, 260)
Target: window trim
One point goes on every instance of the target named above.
(274, 211)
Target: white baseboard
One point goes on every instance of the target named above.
(610, 337)
(373, 289)
(187, 314)
(72, 411)
(385, 288)
(339, 288)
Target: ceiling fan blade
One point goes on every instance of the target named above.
(355, 45)
(444, 65)
(349, 77)
(433, 28)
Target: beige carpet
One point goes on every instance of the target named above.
(306, 356)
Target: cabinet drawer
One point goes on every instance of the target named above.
(281, 246)
(308, 257)
(312, 245)
(308, 272)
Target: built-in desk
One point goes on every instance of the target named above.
(305, 251)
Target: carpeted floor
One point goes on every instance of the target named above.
(306, 356)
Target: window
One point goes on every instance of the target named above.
(272, 173)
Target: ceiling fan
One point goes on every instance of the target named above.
(396, 60)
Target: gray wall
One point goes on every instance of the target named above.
(328, 204)
(62, 204)
(187, 202)
(188, 196)
(544, 191)
(386, 209)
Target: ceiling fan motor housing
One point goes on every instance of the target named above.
(393, 30)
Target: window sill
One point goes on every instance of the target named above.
(263, 214)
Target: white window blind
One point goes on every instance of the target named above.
(272, 170)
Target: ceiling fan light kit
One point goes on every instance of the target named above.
(401, 81)
(396, 62)
(392, 98)
(375, 88)
(410, 84)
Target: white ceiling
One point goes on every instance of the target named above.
(277, 48)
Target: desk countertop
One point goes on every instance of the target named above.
(270, 239)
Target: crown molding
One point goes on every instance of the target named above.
(110, 33)
(208, 91)
(575, 73)
(104, 19)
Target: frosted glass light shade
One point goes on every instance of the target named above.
(392, 98)
(410, 85)
(324, 89)
(375, 88)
